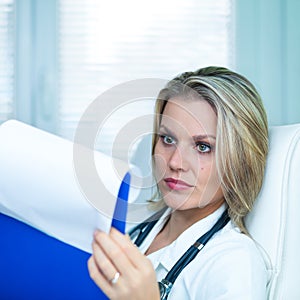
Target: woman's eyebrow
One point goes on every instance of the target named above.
(203, 136)
(166, 129)
(195, 137)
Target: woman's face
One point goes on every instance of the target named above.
(184, 156)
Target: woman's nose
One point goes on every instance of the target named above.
(178, 160)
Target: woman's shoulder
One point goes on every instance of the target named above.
(235, 246)
(230, 264)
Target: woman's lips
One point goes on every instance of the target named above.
(176, 184)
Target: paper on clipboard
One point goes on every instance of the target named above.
(38, 186)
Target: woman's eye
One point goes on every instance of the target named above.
(203, 148)
(168, 139)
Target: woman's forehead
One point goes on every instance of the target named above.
(196, 116)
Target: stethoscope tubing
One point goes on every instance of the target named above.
(194, 249)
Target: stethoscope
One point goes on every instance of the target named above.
(142, 230)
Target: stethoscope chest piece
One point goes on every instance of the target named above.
(164, 288)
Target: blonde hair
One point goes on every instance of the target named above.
(242, 132)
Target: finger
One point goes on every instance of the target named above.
(131, 251)
(114, 253)
(106, 267)
(99, 278)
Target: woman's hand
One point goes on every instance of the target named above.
(113, 254)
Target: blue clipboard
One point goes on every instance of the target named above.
(120, 212)
(47, 268)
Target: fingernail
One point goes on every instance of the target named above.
(96, 232)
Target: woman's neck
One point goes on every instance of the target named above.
(179, 221)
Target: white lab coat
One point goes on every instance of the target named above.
(229, 267)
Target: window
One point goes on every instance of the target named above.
(105, 43)
(68, 52)
(6, 59)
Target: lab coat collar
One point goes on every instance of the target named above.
(171, 254)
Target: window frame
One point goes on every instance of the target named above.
(36, 100)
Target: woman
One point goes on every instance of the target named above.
(209, 153)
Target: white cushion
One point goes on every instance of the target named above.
(274, 223)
